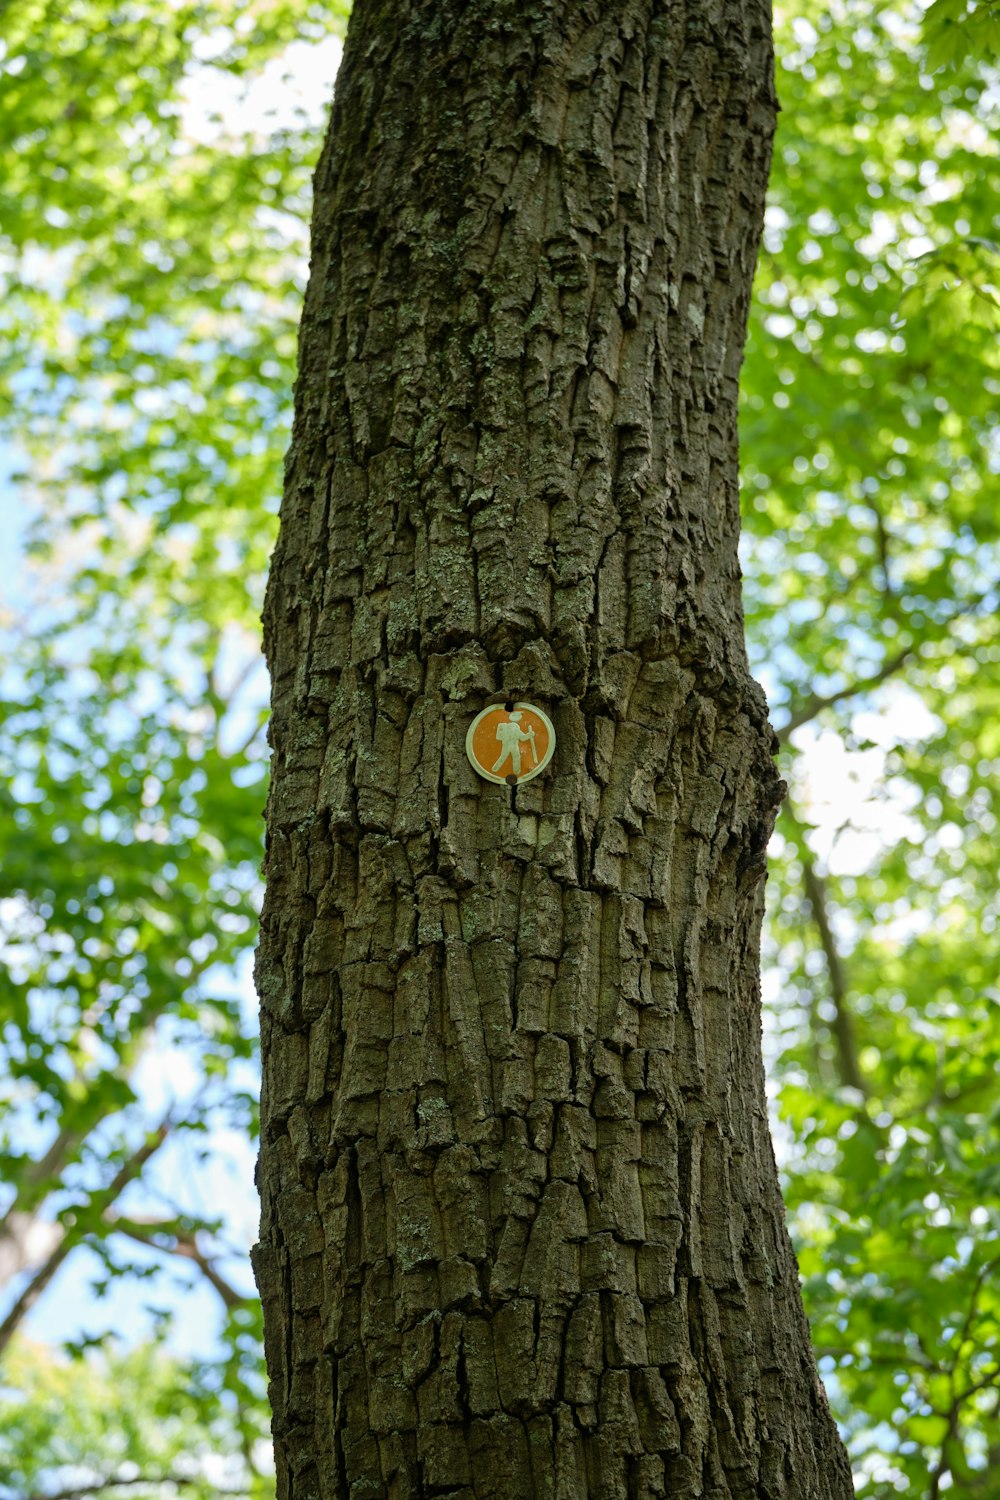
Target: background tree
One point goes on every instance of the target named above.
(150, 293)
(138, 1427)
(883, 200)
(872, 544)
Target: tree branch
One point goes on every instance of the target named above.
(78, 1491)
(38, 1172)
(906, 1360)
(843, 1022)
(985, 1270)
(815, 704)
(818, 701)
(36, 1286)
(26, 1238)
(882, 531)
(185, 1244)
(101, 1201)
(20, 1220)
(221, 704)
(944, 1465)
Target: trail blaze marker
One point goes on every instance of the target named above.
(510, 745)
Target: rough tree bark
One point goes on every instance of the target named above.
(522, 1234)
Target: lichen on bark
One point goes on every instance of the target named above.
(521, 1228)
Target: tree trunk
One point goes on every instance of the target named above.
(522, 1234)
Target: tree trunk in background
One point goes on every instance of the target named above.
(522, 1234)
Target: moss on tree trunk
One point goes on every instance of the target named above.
(522, 1234)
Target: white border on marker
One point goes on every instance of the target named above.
(530, 775)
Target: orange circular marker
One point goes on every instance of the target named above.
(510, 745)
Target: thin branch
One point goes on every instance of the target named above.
(100, 1200)
(238, 751)
(944, 1465)
(33, 1191)
(882, 532)
(185, 1244)
(25, 1241)
(78, 1491)
(906, 1360)
(976, 1480)
(984, 1271)
(37, 1173)
(36, 1286)
(22, 1215)
(221, 704)
(843, 1022)
(815, 704)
